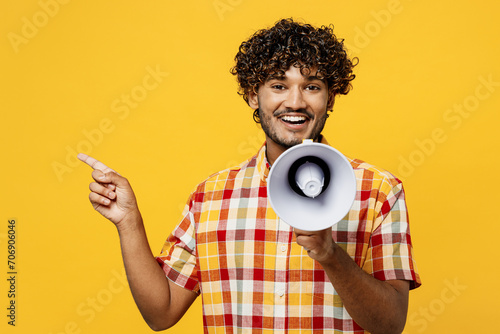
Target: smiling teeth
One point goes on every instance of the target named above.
(293, 118)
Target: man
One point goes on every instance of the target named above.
(255, 273)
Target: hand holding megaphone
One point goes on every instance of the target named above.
(311, 186)
(318, 244)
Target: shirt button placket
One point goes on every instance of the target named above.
(281, 272)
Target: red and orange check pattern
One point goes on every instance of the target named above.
(231, 248)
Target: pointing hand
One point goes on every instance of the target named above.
(111, 194)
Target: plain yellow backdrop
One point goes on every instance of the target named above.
(145, 87)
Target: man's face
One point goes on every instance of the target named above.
(292, 108)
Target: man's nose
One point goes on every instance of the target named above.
(295, 99)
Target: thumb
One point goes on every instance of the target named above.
(110, 178)
(302, 237)
(306, 242)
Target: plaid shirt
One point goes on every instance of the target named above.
(231, 248)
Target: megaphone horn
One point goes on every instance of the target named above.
(311, 186)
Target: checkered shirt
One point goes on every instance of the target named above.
(231, 248)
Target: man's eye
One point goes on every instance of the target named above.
(312, 87)
(279, 87)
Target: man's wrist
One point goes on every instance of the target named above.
(331, 258)
(131, 223)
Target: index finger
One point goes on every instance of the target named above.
(94, 163)
(311, 233)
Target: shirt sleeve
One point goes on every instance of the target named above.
(390, 255)
(178, 255)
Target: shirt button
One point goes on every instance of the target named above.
(283, 248)
(281, 293)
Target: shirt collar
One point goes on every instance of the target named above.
(262, 164)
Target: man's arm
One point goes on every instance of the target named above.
(377, 306)
(161, 302)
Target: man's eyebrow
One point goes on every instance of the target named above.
(314, 78)
(276, 76)
(283, 77)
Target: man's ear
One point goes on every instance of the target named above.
(331, 101)
(253, 100)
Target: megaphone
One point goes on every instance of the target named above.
(311, 186)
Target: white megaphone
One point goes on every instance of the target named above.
(311, 186)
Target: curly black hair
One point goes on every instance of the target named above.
(289, 43)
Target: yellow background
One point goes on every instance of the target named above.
(65, 70)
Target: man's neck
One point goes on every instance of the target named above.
(274, 150)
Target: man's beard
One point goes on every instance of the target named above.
(265, 122)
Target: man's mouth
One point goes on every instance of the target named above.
(294, 119)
